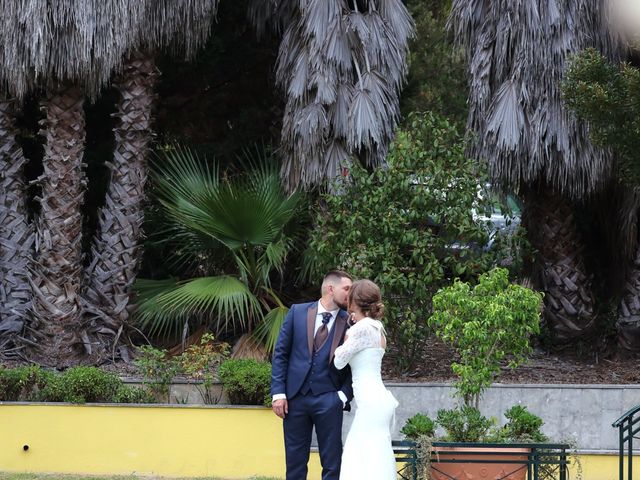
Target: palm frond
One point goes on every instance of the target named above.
(244, 210)
(329, 46)
(85, 42)
(267, 331)
(223, 302)
(516, 65)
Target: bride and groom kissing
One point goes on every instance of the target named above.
(319, 366)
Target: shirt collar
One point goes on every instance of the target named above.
(321, 309)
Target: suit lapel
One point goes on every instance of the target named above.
(311, 324)
(339, 327)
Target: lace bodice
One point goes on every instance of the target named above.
(366, 333)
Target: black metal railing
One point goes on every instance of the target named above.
(407, 458)
(628, 427)
(539, 460)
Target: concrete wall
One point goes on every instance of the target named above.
(580, 413)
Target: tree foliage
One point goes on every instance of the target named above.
(607, 96)
(487, 324)
(437, 79)
(408, 227)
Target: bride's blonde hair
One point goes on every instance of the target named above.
(366, 296)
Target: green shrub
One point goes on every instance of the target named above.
(399, 226)
(201, 361)
(417, 426)
(23, 383)
(76, 385)
(246, 381)
(157, 370)
(465, 424)
(488, 324)
(522, 426)
(82, 384)
(129, 394)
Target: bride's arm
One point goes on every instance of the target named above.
(354, 342)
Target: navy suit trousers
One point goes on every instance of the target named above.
(324, 411)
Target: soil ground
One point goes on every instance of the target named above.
(542, 367)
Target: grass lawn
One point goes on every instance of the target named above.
(42, 476)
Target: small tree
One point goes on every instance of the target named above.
(487, 324)
(408, 227)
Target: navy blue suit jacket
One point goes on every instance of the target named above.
(294, 349)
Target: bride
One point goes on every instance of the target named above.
(367, 454)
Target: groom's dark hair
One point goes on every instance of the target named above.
(335, 276)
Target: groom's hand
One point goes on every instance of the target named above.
(280, 407)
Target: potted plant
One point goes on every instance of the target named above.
(487, 325)
(467, 424)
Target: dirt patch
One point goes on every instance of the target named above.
(542, 367)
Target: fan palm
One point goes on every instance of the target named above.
(70, 50)
(517, 52)
(342, 64)
(248, 216)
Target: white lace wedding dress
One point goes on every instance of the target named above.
(367, 453)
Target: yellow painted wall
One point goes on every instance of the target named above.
(172, 441)
(167, 441)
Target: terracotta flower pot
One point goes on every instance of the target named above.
(473, 471)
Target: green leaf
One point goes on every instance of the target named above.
(165, 305)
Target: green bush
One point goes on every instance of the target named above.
(417, 426)
(129, 394)
(80, 385)
(402, 227)
(76, 385)
(246, 381)
(157, 370)
(522, 426)
(488, 325)
(465, 424)
(23, 383)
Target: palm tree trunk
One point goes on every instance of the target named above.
(16, 235)
(628, 323)
(57, 273)
(569, 300)
(116, 248)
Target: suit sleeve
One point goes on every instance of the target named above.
(347, 386)
(280, 362)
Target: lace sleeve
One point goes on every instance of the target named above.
(359, 337)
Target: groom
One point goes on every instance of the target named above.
(307, 389)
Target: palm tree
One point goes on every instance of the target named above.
(517, 52)
(116, 245)
(352, 55)
(56, 277)
(235, 231)
(605, 95)
(16, 236)
(64, 51)
(341, 64)
(180, 26)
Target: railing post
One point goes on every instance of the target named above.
(621, 452)
(630, 449)
(563, 464)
